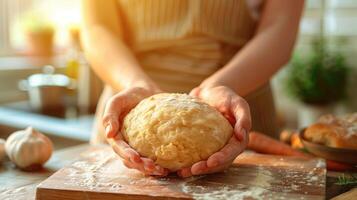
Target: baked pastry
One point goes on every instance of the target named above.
(338, 132)
(175, 130)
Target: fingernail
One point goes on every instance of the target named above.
(136, 159)
(149, 167)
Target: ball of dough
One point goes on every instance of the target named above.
(175, 130)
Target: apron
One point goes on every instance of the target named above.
(179, 43)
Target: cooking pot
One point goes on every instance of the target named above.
(47, 91)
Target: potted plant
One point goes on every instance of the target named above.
(318, 81)
(39, 34)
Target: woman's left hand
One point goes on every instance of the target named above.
(236, 110)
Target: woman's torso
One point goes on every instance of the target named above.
(179, 43)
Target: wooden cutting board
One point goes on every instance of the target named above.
(99, 174)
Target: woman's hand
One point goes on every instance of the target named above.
(115, 111)
(236, 110)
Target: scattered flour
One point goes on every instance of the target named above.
(314, 178)
(255, 188)
(320, 163)
(294, 187)
(88, 170)
(224, 192)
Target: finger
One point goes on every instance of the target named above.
(149, 164)
(126, 152)
(160, 171)
(241, 112)
(199, 167)
(150, 168)
(113, 110)
(153, 169)
(128, 164)
(216, 159)
(223, 105)
(215, 169)
(232, 148)
(229, 152)
(241, 134)
(195, 92)
(119, 105)
(185, 172)
(140, 167)
(111, 124)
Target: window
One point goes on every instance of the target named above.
(62, 14)
(337, 20)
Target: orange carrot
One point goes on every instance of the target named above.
(264, 144)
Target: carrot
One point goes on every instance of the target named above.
(264, 144)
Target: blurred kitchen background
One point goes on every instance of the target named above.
(46, 82)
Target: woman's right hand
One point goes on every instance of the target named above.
(116, 109)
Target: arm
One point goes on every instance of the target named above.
(248, 70)
(269, 49)
(112, 60)
(109, 56)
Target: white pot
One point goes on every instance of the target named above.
(309, 114)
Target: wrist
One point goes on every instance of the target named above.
(216, 88)
(211, 84)
(221, 85)
(148, 85)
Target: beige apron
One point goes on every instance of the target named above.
(179, 43)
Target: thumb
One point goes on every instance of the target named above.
(195, 92)
(112, 112)
(111, 124)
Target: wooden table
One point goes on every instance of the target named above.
(19, 185)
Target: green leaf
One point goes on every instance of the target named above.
(319, 78)
(343, 180)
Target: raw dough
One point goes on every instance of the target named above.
(175, 130)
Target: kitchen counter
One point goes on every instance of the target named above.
(20, 185)
(74, 128)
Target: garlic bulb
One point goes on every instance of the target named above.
(2, 149)
(28, 148)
